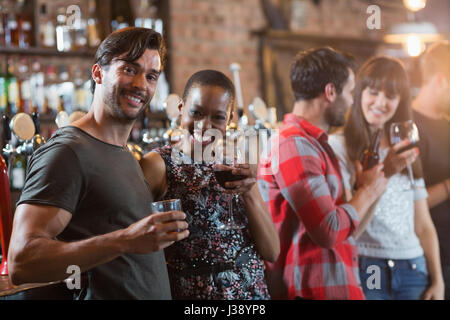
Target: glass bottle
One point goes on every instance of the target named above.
(371, 155)
(18, 170)
(12, 30)
(24, 85)
(3, 89)
(12, 87)
(63, 39)
(2, 28)
(47, 31)
(93, 26)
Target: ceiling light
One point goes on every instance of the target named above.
(415, 5)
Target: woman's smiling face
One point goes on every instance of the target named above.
(378, 107)
(206, 107)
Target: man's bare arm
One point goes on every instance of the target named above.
(35, 255)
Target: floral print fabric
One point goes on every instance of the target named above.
(206, 208)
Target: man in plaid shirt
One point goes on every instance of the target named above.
(300, 181)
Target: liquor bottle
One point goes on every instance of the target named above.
(79, 34)
(18, 170)
(47, 31)
(12, 88)
(3, 89)
(2, 28)
(80, 96)
(37, 85)
(371, 156)
(12, 30)
(121, 14)
(24, 86)
(51, 89)
(63, 39)
(61, 106)
(93, 25)
(24, 13)
(25, 31)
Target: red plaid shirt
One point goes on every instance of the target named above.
(300, 181)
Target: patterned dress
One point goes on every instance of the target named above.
(211, 263)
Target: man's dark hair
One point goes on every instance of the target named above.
(313, 69)
(210, 78)
(132, 42)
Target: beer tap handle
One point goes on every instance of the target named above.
(6, 128)
(37, 124)
(235, 68)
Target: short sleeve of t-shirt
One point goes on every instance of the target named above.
(420, 191)
(336, 141)
(54, 178)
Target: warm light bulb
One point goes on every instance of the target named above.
(414, 46)
(415, 5)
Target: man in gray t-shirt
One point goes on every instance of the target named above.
(85, 202)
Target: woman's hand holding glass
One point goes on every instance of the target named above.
(396, 162)
(245, 171)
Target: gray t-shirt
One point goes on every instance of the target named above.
(390, 233)
(104, 189)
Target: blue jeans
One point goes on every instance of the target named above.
(389, 279)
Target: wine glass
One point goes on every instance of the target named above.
(230, 157)
(405, 130)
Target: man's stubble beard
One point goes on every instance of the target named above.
(112, 100)
(335, 115)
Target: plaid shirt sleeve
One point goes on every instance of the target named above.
(312, 192)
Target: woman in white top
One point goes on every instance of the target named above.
(397, 242)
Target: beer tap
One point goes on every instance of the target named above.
(29, 146)
(37, 140)
(171, 135)
(23, 128)
(243, 120)
(258, 110)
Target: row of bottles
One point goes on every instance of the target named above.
(66, 28)
(70, 27)
(35, 84)
(16, 23)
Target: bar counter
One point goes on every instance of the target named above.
(32, 291)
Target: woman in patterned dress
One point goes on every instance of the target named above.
(212, 263)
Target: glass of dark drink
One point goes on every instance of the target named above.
(405, 130)
(222, 177)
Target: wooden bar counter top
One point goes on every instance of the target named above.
(31, 291)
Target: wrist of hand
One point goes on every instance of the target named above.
(249, 194)
(120, 241)
(367, 193)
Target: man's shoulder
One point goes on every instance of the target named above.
(291, 130)
(301, 141)
(64, 146)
